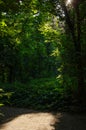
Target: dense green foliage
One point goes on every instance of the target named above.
(24, 53)
(42, 52)
(42, 93)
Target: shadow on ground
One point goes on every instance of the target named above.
(58, 120)
(70, 121)
(9, 113)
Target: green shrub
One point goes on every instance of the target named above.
(38, 93)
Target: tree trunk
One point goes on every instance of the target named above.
(80, 75)
(76, 37)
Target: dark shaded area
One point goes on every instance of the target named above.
(9, 113)
(70, 121)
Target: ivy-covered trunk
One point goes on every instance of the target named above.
(75, 29)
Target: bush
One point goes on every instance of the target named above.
(38, 93)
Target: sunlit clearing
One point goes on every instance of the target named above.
(68, 2)
(32, 121)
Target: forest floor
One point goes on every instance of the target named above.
(25, 119)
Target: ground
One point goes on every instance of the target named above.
(25, 119)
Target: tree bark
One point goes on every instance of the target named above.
(81, 85)
(76, 37)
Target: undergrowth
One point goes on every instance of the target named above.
(37, 94)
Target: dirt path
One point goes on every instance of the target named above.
(24, 119)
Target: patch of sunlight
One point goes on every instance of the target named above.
(68, 2)
(1, 104)
(18, 40)
(3, 24)
(55, 52)
(32, 121)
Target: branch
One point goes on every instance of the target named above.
(69, 23)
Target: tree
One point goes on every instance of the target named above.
(72, 15)
(75, 29)
(24, 53)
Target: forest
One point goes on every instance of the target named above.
(43, 54)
